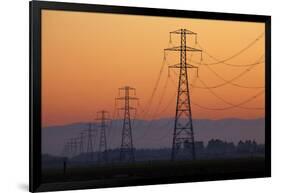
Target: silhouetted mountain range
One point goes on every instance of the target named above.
(156, 133)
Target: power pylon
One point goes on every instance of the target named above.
(75, 143)
(183, 135)
(65, 151)
(73, 146)
(81, 141)
(127, 148)
(102, 117)
(70, 147)
(90, 142)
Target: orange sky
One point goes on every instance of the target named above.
(86, 57)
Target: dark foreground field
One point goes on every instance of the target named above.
(234, 168)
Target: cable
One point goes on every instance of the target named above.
(231, 80)
(166, 107)
(169, 103)
(230, 107)
(155, 86)
(231, 104)
(169, 121)
(159, 103)
(225, 101)
(231, 57)
(161, 97)
(155, 89)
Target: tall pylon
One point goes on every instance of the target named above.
(127, 148)
(102, 117)
(183, 135)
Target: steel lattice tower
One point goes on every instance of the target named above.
(183, 135)
(127, 148)
(65, 151)
(102, 116)
(71, 148)
(90, 142)
(73, 145)
(81, 141)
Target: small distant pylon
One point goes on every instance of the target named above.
(66, 149)
(75, 143)
(102, 117)
(127, 148)
(81, 143)
(90, 141)
(73, 147)
(183, 135)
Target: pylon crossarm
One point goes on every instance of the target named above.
(106, 119)
(186, 31)
(183, 48)
(122, 108)
(127, 87)
(123, 98)
(179, 66)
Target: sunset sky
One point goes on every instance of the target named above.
(86, 57)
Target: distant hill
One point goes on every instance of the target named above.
(157, 133)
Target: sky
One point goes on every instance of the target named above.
(86, 57)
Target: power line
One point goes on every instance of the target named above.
(217, 61)
(160, 102)
(148, 125)
(155, 86)
(227, 102)
(231, 81)
(231, 104)
(234, 106)
(161, 97)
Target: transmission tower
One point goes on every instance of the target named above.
(81, 141)
(90, 142)
(65, 151)
(127, 147)
(183, 136)
(102, 117)
(73, 146)
(70, 147)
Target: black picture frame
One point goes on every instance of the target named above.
(35, 93)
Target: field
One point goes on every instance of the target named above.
(189, 170)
